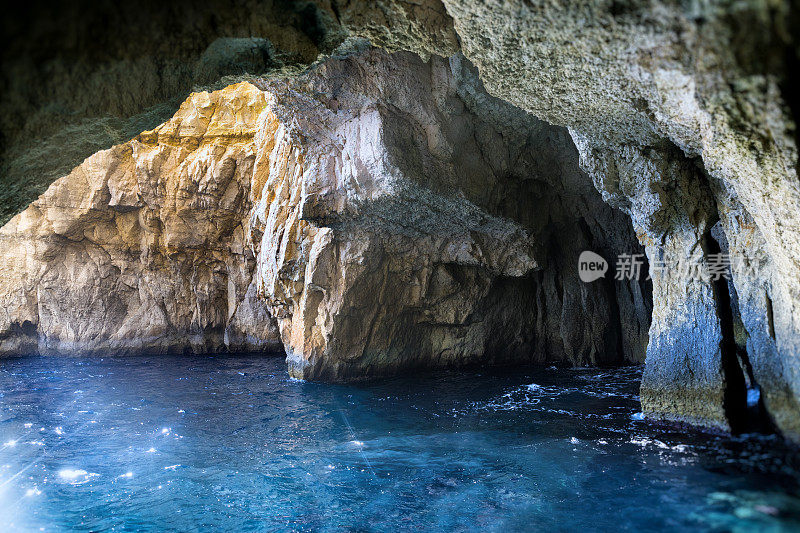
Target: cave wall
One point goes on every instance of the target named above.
(416, 221)
(77, 77)
(683, 118)
(648, 90)
(386, 211)
(141, 248)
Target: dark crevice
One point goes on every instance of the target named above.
(744, 408)
(758, 419)
(770, 316)
(335, 9)
(613, 337)
(614, 331)
(735, 396)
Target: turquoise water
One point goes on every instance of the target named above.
(221, 443)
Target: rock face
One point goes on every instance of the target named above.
(400, 215)
(386, 211)
(681, 113)
(411, 220)
(141, 249)
(673, 227)
(78, 77)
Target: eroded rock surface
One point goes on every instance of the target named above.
(411, 220)
(387, 211)
(404, 202)
(141, 249)
(647, 89)
(81, 76)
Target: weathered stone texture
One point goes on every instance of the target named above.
(404, 219)
(80, 76)
(386, 211)
(141, 249)
(712, 79)
(401, 216)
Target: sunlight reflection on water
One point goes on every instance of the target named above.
(233, 443)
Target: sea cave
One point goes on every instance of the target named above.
(448, 265)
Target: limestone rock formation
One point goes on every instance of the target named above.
(406, 214)
(423, 27)
(77, 77)
(400, 214)
(385, 210)
(650, 90)
(141, 249)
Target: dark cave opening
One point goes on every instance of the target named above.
(743, 405)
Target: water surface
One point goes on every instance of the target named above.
(223, 443)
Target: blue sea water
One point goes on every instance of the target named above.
(233, 444)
